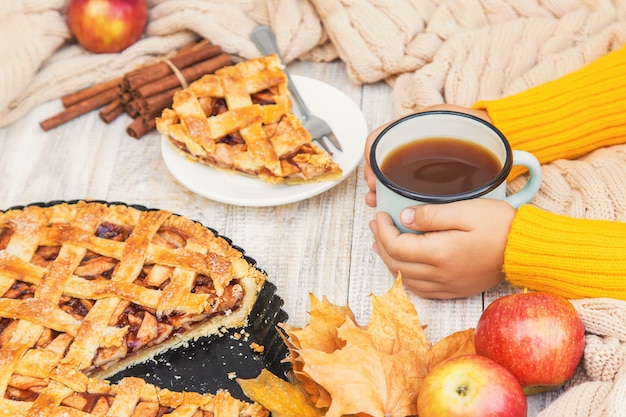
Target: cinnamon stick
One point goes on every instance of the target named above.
(125, 97)
(112, 110)
(152, 104)
(140, 126)
(80, 108)
(186, 47)
(133, 107)
(190, 74)
(183, 59)
(96, 89)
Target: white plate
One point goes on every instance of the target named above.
(342, 114)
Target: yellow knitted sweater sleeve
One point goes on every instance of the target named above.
(567, 117)
(573, 257)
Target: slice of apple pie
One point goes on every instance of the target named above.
(240, 119)
(88, 289)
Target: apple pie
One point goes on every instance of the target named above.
(240, 119)
(130, 397)
(89, 289)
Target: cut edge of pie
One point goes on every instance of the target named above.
(240, 120)
(88, 289)
(218, 325)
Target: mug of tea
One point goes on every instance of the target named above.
(443, 156)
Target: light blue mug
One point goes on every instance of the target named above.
(393, 198)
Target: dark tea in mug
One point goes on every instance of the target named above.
(441, 166)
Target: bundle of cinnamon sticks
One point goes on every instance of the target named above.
(143, 93)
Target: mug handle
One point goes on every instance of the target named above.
(531, 188)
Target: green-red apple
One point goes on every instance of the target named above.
(469, 386)
(538, 336)
(105, 26)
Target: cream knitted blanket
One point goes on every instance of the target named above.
(429, 51)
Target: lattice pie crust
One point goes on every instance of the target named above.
(240, 120)
(89, 289)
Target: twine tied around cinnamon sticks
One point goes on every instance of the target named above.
(143, 93)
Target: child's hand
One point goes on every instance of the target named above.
(460, 253)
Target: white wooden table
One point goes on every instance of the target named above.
(321, 245)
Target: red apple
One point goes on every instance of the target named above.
(470, 385)
(538, 336)
(104, 26)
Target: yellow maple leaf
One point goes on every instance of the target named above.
(282, 398)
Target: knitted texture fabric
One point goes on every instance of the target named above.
(429, 51)
(599, 388)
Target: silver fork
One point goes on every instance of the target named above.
(265, 41)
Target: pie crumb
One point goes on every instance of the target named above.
(257, 348)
